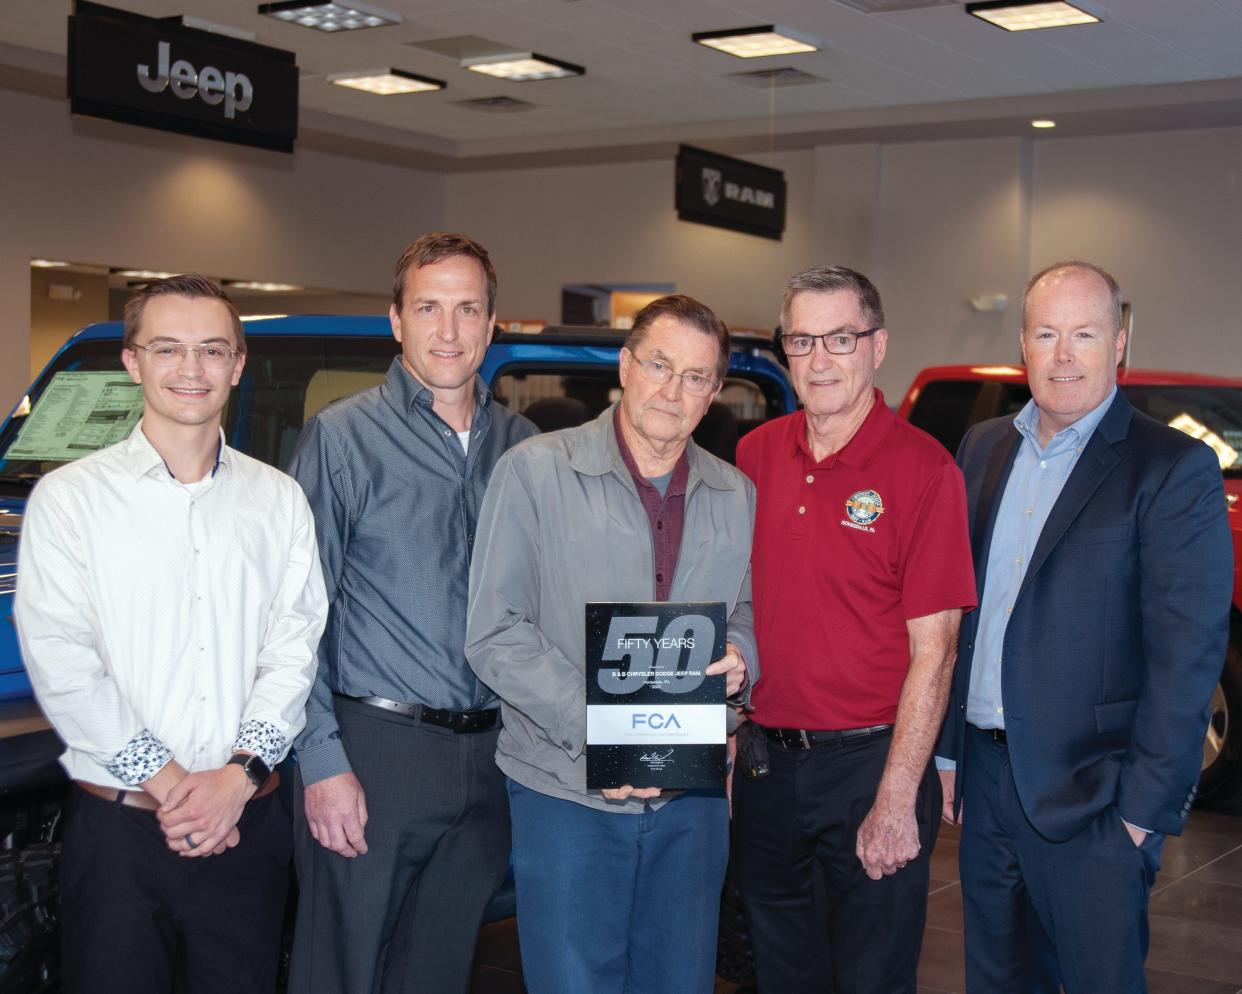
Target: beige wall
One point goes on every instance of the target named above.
(106, 193)
(952, 226)
(1164, 213)
(54, 320)
(616, 224)
(933, 223)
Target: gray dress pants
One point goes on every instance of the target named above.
(403, 917)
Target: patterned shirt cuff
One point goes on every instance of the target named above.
(140, 760)
(263, 739)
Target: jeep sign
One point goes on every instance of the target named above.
(232, 88)
(729, 193)
(158, 73)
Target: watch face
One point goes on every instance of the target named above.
(255, 768)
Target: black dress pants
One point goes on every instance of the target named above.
(405, 916)
(136, 915)
(818, 923)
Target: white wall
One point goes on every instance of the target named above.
(98, 192)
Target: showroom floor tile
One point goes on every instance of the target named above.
(1196, 920)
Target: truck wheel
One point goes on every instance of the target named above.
(1220, 783)
(29, 920)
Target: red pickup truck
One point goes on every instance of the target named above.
(946, 400)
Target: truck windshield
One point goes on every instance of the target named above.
(946, 408)
(1213, 414)
(85, 400)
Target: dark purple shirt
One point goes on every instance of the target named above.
(665, 514)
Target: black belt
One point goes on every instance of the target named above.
(462, 722)
(801, 738)
(995, 734)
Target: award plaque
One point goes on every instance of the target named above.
(653, 718)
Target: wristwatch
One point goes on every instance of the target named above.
(254, 767)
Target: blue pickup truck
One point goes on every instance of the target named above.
(83, 400)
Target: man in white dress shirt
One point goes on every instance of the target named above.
(169, 609)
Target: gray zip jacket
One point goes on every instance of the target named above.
(562, 524)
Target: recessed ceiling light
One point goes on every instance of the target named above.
(47, 264)
(325, 16)
(522, 67)
(757, 42)
(143, 274)
(265, 287)
(1043, 122)
(1028, 15)
(386, 82)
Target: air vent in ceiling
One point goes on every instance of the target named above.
(461, 47)
(496, 105)
(893, 6)
(764, 78)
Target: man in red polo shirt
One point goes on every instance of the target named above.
(861, 571)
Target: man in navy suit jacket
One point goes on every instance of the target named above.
(1080, 699)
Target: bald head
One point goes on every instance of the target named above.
(1084, 279)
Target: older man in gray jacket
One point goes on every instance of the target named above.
(617, 890)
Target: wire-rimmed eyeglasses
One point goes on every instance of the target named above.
(174, 353)
(692, 382)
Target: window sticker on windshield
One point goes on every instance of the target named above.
(77, 414)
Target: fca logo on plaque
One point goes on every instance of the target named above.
(655, 720)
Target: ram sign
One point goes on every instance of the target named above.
(730, 193)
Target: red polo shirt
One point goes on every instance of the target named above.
(846, 550)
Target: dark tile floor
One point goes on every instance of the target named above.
(1196, 920)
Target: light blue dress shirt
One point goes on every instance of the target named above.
(1035, 483)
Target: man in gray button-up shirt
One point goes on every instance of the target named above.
(577, 516)
(402, 829)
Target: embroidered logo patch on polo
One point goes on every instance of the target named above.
(864, 507)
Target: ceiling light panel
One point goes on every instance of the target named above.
(143, 274)
(757, 42)
(386, 82)
(1030, 15)
(262, 287)
(330, 17)
(522, 67)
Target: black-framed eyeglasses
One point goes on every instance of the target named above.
(174, 353)
(835, 342)
(692, 382)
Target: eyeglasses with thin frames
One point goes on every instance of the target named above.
(694, 383)
(174, 353)
(835, 342)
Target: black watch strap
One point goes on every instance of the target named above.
(254, 768)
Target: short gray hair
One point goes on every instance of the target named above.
(833, 279)
(689, 311)
(1114, 290)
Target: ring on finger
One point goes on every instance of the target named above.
(189, 841)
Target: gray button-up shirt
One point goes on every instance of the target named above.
(396, 502)
(1035, 482)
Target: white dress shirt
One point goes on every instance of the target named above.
(162, 620)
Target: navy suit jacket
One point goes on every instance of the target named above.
(1119, 630)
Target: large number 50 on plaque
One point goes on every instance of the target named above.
(654, 718)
